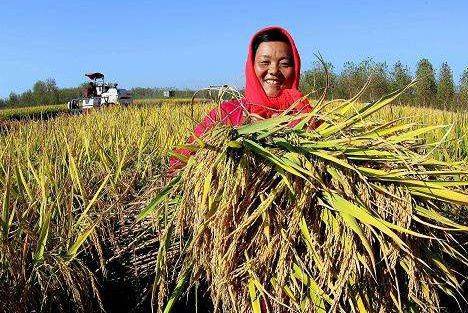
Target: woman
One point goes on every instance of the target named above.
(272, 74)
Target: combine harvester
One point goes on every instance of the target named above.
(98, 94)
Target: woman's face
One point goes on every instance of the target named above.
(274, 67)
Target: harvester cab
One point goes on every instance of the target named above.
(98, 93)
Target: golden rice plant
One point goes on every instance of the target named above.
(32, 111)
(352, 216)
(455, 145)
(64, 186)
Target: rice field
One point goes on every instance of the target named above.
(455, 132)
(31, 112)
(62, 180)
(46, 111)
(68, 183)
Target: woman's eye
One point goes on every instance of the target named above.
(285, 64)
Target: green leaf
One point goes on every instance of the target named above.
(342, 205)
(160, 197)
(254, 297)
(265, 125)
(433, 190)
(43, 234)
(178, 290)
(363, 113)
(433, 215)
(327, 156)
(383, 132)
(414, 133)
(73, 249)
(6, 207)
(351, 222)
(308, 240)
(316, 293)
(253, 146)
(84, 214)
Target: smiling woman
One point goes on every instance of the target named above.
(272, 73)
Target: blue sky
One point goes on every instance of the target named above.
(201, 43)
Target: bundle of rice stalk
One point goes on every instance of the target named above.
(353, 216)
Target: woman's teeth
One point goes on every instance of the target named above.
(272, 82)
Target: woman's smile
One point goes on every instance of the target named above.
(273, 81)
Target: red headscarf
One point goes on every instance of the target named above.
(259, 103)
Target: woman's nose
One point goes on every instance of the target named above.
(273, 68)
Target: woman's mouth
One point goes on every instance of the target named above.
(273, 82)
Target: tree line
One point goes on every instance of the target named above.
(434, 89)
(43, 92)
(46, 92)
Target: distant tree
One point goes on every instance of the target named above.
(399, 79)
(315, 79)
(39, 92)
(426, 88)
(2, 102)
(156, 92)
(379, 83)
(46, 92)
(352, 79)
(445, 87)
(183, 93)
(66, 94)
(13, 99)
(464, 88)
(141, 93)
(26, 98)
(52, 91)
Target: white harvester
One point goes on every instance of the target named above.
(98, 93)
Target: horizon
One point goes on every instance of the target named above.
(186, 47)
